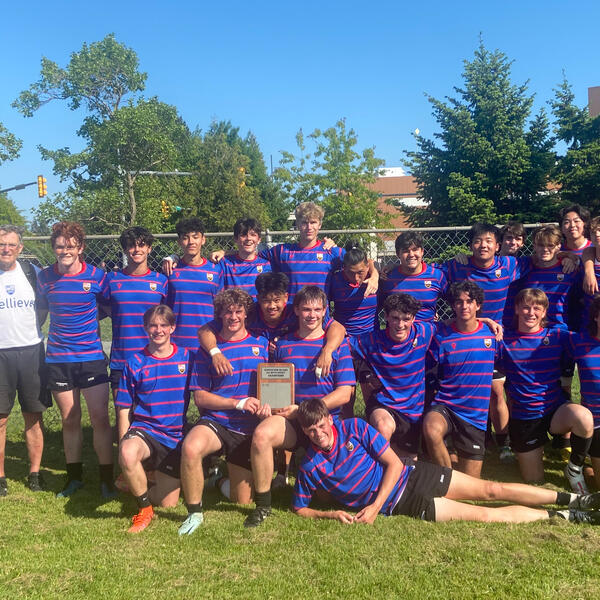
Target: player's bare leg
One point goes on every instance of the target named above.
(435, 429)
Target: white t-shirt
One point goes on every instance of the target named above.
(18, 325)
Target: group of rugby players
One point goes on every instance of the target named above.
(429, 385)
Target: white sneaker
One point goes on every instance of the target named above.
(576, 479)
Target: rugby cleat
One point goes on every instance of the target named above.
(3, 486)
(192, 522)
(576, 479)
(35, 482)
(591, 517)
(142, 520)
(588, 501)
(506, 455)
(69, 489)
(257, 516)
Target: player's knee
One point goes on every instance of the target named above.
(263, 438)
(492, 490)
(193, 448)
(433, 432)
(72, 420)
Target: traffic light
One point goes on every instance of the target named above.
(42, 189)
(164, 208)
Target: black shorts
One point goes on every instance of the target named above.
(594, 450)
(425, 482)
(115, 377)
(407, 434)
(467, 440)
(63, 377)
(235, 445)
(302, 440)
(162, 458)
(529, 434)
(23, 370)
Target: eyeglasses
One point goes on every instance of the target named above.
(10, 245)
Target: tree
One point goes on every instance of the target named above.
(578, 170)
(9, 213)
(10, 146)
(336, 175)
(487, 162)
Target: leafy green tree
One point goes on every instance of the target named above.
(10, 146)
(333, 173)
(488, 161)
(578, 170)
(9, 213)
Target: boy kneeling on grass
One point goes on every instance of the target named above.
(152, 401)
(354, 463)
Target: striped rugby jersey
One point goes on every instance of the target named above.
(242, 273)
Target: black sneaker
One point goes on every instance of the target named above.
(3, 486)
(591, 517)
(257, 516)
(35, 482)
(588, 501)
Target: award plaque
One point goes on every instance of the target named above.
(276, 384)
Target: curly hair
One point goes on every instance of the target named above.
(68, 230)
(232, 297)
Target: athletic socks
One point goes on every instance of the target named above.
(75, 471)
(143, 501)
(262, 499)
(579, 449)
(194, 508)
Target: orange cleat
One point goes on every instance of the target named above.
(142, 520)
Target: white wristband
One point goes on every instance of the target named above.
(240, 405)
(318, 372)
(214, 351)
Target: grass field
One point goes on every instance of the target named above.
(79, 548)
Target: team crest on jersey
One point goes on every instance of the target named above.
(319, 256)
(87, 286)
(545, 341)
(259, 268)
(349, 446)
(487, 342)
(415, 342)
(153, 287)
(427, 283)
(498, 273)
(255, 350)
(10, 289)
(181, 368)
(560, 276)
(209, 276)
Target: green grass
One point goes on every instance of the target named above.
(79, 548)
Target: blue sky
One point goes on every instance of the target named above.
(275, 67)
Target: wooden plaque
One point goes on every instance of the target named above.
(276, 384)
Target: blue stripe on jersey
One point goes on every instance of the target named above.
(304, 266)
(130, 296)
(191, 291)
(303, 354)
(427, 287)
(156, 390)
(587, 299)
(494, 281)
(71, 299)
(242, 273)
(244, 356)
(531, 362)
(576, 251)
(399, 366)
(350, 471)
(465, 368)
(585, 349)
(556, 285)
(355, 311)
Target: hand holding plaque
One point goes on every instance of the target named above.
(276, 384)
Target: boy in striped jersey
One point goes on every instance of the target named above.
(279, 429)
(354, 463)
(74, 356)
(530, 356)
(228, 406)
(152, 400)
(464, 351)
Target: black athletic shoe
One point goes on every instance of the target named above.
(257, 516)
(35, 482)
(3, 486)
(591, 517)
(588, 501)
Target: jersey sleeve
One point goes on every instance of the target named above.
(200, 378)
(374, 443)
(521, 268)
(344, 369)
(303, 490)
(126, 389)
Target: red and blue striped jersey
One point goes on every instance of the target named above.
(587, 299)
(576, 251)
(465, 368)
(191, 292)
(303, 354)
(71, 300)
(531, 362)
(399, 366)
(244, 356)
(258, 326)
(351, 471)
(427, 287)
(156, 391)
(494, 281)
(130, 296)
(242, 273)
(585, 349)
(355, 311)
(304, 266)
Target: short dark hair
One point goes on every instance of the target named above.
(514, 228)
(467, 287)
(403, 303)
(407, 239)
(134, 235)
(311, 411)
(480, 228)
(354, 254)
(246, 224)
(232, 297)
(594, 312)
(189, 225)
(160, 310)
(584, 213)
(272, 283)
(310, 293)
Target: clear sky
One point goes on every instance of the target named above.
(275, 67)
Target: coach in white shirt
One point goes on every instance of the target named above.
(21, 353)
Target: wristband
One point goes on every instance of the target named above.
(214, 351)
(240, 405)
(318, 372)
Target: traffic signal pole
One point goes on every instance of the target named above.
(40, 182)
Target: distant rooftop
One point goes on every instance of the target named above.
(393, 172)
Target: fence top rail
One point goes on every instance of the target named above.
(215, 234)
